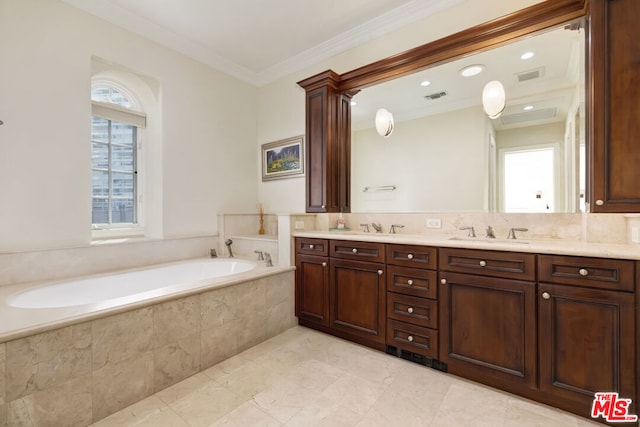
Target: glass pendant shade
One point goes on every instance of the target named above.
(384, 122)
(493, 99)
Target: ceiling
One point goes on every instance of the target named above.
(259, 41)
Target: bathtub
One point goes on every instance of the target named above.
(34, 307)
(127, 286)
(107, 341)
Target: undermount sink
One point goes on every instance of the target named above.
(484, 240)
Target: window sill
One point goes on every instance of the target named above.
(116, 235)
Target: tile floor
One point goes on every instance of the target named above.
(305, 378)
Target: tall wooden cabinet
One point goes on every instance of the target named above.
(614, 106)
(328, 144)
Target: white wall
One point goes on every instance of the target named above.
(209, 128)
(281, 112)
(437, 163)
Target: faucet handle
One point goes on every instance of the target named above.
(512, 232)
(267, 259)
(392, 230)
(365, 227)
(260, 255)
(472, 231)
(490, 233)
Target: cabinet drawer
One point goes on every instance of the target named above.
(602, 273)
(363, 251)
(319, 247)
(412, 256)
(411, 281)
(509, 265)
(418, 311)
(412, 338)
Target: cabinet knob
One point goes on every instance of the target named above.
(546, 295)
(410, 310)
(322, 206)
(409, 282)
(583, 272)
(354, 250)
(380, 272)
(312, 246)
(410, 338)
(483, 263)
(443, 281)
(324, 264)
(410, 256)
(599, 202)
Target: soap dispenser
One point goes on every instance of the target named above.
(340, 223)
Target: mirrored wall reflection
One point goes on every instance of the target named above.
(446, 155)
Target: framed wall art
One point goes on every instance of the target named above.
(283, 159)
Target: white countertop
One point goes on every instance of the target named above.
(542, 246)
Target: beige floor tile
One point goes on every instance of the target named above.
(306, 378)
(150, 412)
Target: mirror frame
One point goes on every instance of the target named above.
(473, 40)
(328, 110)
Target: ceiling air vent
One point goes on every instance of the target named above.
(436, 95)
(542, 114)
(530, 74)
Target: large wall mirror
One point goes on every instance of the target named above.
(446, 155)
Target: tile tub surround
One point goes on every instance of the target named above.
(80, 373)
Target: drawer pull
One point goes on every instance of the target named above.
(546, 295)
(324, 264)
(312, 246)
(410, 256)
(354, 250)
(410, 338)
(583, 272)
(443, 281)
(410, 310)
(380, 272)
(409, 282)
(483, 263)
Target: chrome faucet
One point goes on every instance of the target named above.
(512, 232)
(213, 253)
(377, 227)
(267, 259)
(228, 242)
(472, 231)
(490, 233)
(392, 230)
(260, 255)
(365, 227)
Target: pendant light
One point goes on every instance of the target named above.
(384, 122)
(493, 99)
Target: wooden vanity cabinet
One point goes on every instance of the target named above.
(412, 306)
(357, 291)
(488, 317)
(312, 280)
(340, 289)
(586, 330)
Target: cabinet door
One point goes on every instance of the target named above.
(312, 289)
(586, 339)
(358, 299)
(488, 330)
(615, 103)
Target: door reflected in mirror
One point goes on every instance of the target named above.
(446, 155)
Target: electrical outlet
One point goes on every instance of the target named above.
(299, 225)
(434, 223)
(635, 234)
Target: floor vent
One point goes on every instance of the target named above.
(416, 358)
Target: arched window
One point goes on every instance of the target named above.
(116, 127)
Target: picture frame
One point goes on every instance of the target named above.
(283, 159)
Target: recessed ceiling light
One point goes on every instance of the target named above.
(472, 70)
(425, 83)
(528, 108)
(527, 55)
